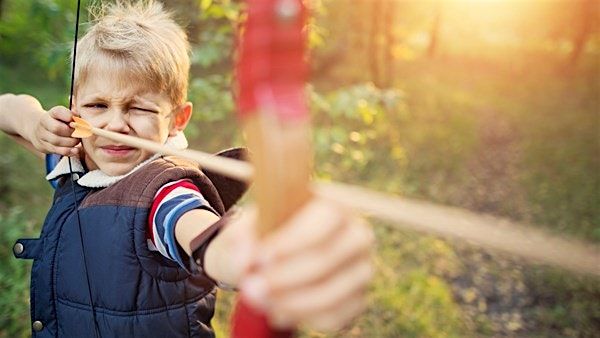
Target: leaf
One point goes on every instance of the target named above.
(204, 4)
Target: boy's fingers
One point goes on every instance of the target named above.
(336, 320)
(313, 224)
(353, 243)
(64, 151)
(58, 141)
(61, 113)
(327, 321)
(57, 127)
(331, 295)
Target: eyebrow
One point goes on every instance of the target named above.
(92, 98)
(135, 100)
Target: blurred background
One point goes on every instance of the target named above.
(489, 105)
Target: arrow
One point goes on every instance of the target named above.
(239, 170)
(403, 213)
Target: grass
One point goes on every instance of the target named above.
(537, 135)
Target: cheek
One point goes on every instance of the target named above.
(151, 129)
(88, 142)
(96, 119)
(89, 154)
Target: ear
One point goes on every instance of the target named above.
(181, 118)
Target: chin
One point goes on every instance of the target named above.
(116, 170)
(114, 166)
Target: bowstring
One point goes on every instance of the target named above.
(75, 204)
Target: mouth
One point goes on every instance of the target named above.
(117, 150)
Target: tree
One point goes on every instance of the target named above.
(435, 31)
(588, 8)
(376, 10)
(389, 42)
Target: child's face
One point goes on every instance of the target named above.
(111, 101)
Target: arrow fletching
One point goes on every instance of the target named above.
(82, 128)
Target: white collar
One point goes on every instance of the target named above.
(97, 178)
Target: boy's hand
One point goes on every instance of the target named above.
(314, 270)
(51, 133)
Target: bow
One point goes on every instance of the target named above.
(73, 179)
(271, 106)
(271, 73)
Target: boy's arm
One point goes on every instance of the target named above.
(315, 269)
(220, 263)
(24, 118)
(191, 224)
(216, 260)
(17, 112)
(27, 145)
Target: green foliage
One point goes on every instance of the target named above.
(224, 308)
(211, 76)
(215, 40)
(575, 311)
(213, 111)
(409, 298)
(355, 130)
(214, 37)
(35, 33)
(212, 97)
(224, 9)
(422, 303)
(562, 153)
(25, 184)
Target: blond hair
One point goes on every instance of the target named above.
(140, 38)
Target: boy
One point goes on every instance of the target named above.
(139, 213)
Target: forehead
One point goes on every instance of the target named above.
(118, 82)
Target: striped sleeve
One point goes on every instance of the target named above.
(171, 201)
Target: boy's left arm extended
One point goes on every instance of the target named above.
(24, 118)
(15, 111)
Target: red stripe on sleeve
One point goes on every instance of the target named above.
(160, 195)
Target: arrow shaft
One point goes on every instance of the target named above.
(482, 230)
(239, 170)
(403, 213)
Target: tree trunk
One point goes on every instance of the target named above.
(583, 34)
(374, 42)
(435, 31)
(389, 44)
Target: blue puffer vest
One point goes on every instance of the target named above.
(134, 292)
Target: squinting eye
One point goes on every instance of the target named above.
(95, 105)
(143, 110)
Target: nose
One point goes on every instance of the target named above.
(118, 121)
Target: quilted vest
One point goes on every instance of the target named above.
(134, 292)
